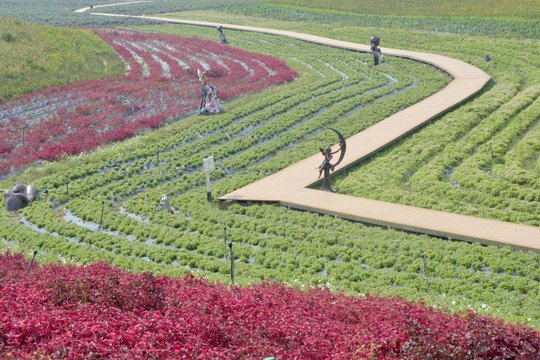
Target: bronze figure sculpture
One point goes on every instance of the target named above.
(210, 99)
(222, 38)
(19, 197)
(327, 165)
(375, 40)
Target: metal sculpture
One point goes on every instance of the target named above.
(222, 39)
(165, 204)
(210, 98)
(20, 196)
(327, 166)
(375, 40)
(488, 60)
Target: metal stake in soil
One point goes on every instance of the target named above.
(225, 240)
(208, 165)
(67, 188)
(102, 209)
(425, 272)
(31, 262)
(232, 263)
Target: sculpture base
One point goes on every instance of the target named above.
(327, 188)
(206, 112)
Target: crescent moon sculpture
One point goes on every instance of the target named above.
(327, 166)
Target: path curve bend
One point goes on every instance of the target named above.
(290, 186)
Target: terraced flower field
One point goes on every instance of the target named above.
(262, 133)
(160, 86)
(257, 136)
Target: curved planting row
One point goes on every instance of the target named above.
(160, 86)
(103, 312)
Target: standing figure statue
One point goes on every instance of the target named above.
(210, 98)
(375, 40)
(327, 166)
(222, 38)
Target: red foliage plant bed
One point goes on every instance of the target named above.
(103, 312)
(160, 85)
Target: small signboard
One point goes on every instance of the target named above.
(208, 163)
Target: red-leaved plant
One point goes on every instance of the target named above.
(78, 117)
(103, 312)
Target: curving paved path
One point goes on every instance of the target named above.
(289, 186)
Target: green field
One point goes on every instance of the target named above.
(34, 57)
(442, 8)
(61, 12)
(446, 165)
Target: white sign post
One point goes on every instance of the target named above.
(208, 165)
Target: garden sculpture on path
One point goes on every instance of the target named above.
(375, 40)
(222, 38)
(326, 165)
(210, 98)
(20, 196)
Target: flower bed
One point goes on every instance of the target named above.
(160, 86)
(104, 312)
